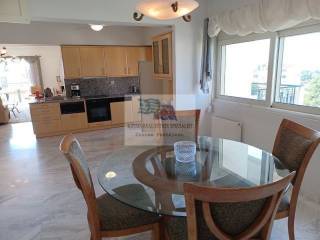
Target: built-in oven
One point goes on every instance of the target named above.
(98, 110)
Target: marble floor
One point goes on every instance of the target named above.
(38, 198)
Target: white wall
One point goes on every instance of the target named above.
(188, 49)
(218, 6)
(69, 33)
(260, 124)
(50, 60)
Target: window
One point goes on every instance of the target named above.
(245, 69)
(299, 76)
(279, 70)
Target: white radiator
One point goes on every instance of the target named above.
(224, 128)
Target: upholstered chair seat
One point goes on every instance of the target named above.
(115, 216)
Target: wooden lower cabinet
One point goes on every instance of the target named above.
(45, 118)
(47, 127)
(118, 112)
(125, 112)
(74, 121)
(136, 113)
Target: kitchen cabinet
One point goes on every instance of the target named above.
(92, 61)
(71, 61)
(134, 56)
(118, 112)
(124, 61)
(115, 61)
(162, 56)
(126, 111)
(101, 61)
(45, 118)
(136, 113)
(74, 121)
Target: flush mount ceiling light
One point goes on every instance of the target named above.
(165, 9)
(96, 27)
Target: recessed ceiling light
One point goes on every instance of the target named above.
(96, 27)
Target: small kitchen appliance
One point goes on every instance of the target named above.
(75, 90)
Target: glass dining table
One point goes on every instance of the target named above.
(150, 178)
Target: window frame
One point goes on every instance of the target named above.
(221, 67)
(275, 62)
(282, 35)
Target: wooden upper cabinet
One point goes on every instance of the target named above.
(101, 61)
(162, 56)
(71, 61)
(134, 56)
(115, 61)
(92, 61)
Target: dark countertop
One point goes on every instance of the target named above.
(80, 99)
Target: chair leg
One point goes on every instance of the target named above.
(156, 232)
(291, 226)
(92, 237)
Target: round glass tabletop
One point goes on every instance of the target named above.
(151, 179)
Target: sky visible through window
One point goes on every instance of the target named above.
(246, 69)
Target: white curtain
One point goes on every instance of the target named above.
(265, 16)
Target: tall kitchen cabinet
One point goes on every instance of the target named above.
(162, 60)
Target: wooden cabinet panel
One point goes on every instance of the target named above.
(136, 113)
(117, 112)
(47, 127)
(134, 56)
(75, 121)
(43, 112)
(92, 61)
(115, 61)
(162, 56)
(71, 61)
(45, 118)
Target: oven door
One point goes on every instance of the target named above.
(98, 110)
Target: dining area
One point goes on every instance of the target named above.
(195, 188)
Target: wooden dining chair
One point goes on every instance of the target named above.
(228, 214)
(107, 217)
(184, 117)
(294, 146)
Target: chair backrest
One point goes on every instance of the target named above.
(294, 147)
(185, 117)
(225, 214)
(193, 114)
(72, 150)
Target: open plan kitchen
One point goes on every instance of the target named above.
(102, 86)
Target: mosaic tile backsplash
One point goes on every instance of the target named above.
(103, 86)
